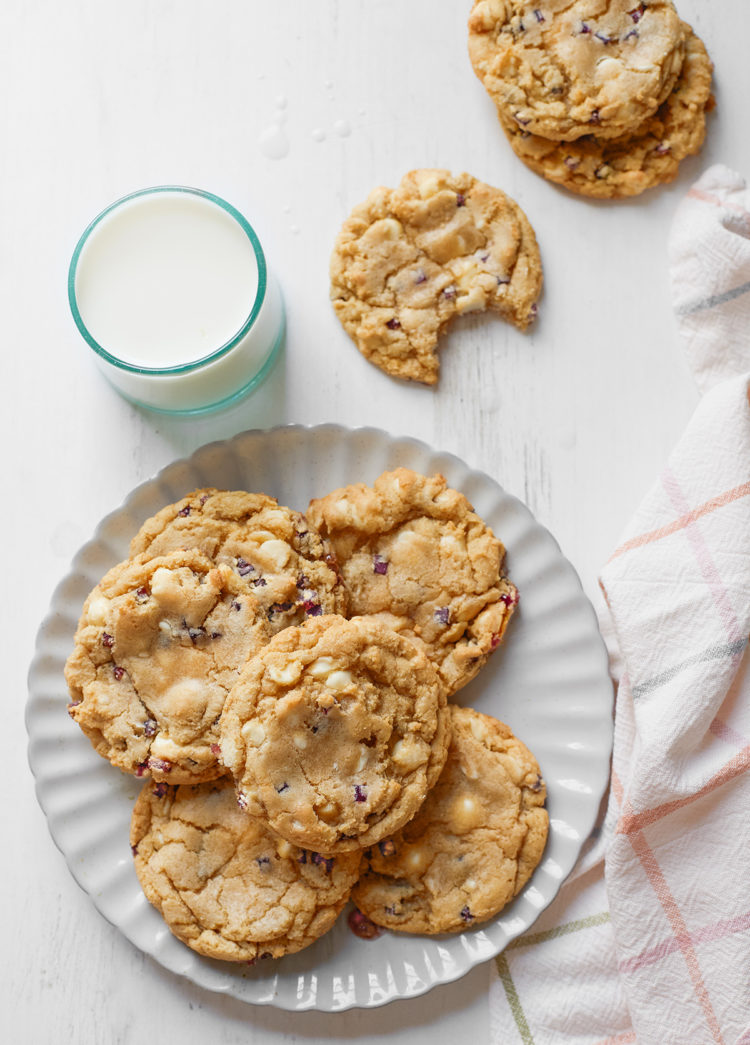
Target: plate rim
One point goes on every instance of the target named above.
(600, 761)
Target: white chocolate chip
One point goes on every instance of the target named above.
(475, 300)
(363, 760)
(284, 849)
(428, 184)
(409, 753)
(464, 270)
(321, 667)
(274, 554)
(97, 612)
(264, 535)
(449, 545)
(187, 699)
(466, 813)
(607, 67)
(164, 585)
(164, 748)
(300, 741)
(406, 541)
(417, 860)
(272, 518)
(339, 680)
(349, 513)
(254, 733)
(175, 590)
(285, 675)
(478, 728)
(390, 227)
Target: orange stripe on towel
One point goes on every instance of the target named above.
(735, 494)
(631, 822)
(679, 928)
(717, 201)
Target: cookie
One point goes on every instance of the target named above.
(276, 554)
(474, 843)
(159, 644)
(335, 732)
(226, 885)
(409, 259)
(414, 549)
(562, 69)
(627, 166)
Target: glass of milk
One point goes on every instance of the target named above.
(171, 289)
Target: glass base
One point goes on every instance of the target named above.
(227, 401)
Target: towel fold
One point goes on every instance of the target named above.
(649, 939)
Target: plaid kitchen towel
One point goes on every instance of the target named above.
(649, 940)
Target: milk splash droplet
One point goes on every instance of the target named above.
(342, 128)
(318, 134)
(273, 142)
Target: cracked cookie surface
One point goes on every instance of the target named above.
(335, 732)
(630, 165)
(411, 548)
(225, 884)
(627, 166)
(408, 260)
(158, 646)
(561, 69)
(474, 843)
(275, 552)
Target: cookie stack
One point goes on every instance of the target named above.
(282, 683)
(604, 99)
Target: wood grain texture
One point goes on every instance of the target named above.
(575, 417)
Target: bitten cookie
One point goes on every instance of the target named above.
(414, 549)
(335, 732)
(474, 843)
(649, 156)
(275, 552)
(566, 68)
(409, 259)
(159, 643)
(225, 884)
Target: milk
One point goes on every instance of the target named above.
(171, 289)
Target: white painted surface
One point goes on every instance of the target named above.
(253, 101)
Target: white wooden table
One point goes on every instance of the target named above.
(293, 112)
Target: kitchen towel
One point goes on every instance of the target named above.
(649, 939)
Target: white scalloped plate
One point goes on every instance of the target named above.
(549, 682)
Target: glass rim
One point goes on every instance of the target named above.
(196, 364)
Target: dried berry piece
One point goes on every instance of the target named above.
(379, 564)
(361, 925)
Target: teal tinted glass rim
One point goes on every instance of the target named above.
(196, 364)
